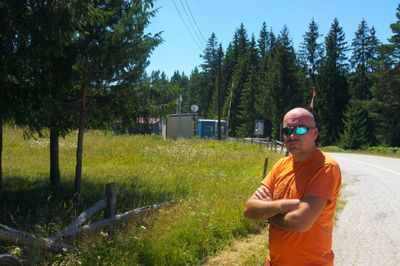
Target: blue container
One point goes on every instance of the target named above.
(208, 128)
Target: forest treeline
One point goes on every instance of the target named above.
(73, 65)
(355, 84)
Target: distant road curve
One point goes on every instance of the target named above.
(368, 229)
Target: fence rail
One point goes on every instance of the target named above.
(272, 145)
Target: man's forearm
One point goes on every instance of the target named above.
(261, 210)
(288, 222)
(301, 219)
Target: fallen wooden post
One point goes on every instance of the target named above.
(82, 218)
(119, 217)
(76, 227)
(18, 237)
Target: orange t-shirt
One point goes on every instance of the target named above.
(319, 175)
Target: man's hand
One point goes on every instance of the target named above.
(302, 217)
(262, 193)
(260, 206)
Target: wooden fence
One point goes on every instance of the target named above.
(272, 145)
(76, 228)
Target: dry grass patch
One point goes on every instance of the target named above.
(251, 250)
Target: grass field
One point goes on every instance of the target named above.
(209, 181)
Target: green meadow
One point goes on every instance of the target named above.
(208, 180)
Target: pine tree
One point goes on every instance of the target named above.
(373, 52)
(209, 75)
(181, 81)
(218, 90)
(112, 53)
(332, 90)
(219, 93)
(228, 66)
(238, 81)
(357, 131)
(54, 91)
(42, 73)
(385, 103)
(283, 82)
(239, 74)
(14, 67)
(160, 100)
(247, 112)
(264, 41)
(263, 97)
(364, 53)
(311, 51)
(395, 39)
(195, 87)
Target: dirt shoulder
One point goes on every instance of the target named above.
(251, 250)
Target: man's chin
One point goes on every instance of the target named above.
(293, 149)
(292, 145)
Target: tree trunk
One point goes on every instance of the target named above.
(218, 81)
(54, 157)
(79, 149)
(1, 154)
(219, 133)
(219, 103)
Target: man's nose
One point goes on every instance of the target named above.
(292, 135)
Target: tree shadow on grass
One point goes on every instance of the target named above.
(37, 207)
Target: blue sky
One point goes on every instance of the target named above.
(180, 49)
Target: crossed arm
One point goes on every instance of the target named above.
(287, 214)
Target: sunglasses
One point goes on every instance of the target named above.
(298, 130)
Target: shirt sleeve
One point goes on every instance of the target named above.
(324, 182)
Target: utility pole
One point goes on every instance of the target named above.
(179, 115)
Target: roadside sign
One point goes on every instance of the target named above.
(194, 108)
(259, 127)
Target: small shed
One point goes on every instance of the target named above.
(179, 126)
(208, 128)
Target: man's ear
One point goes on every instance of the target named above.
(316, 133)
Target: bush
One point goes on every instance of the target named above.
(332, 149)
(384, 149)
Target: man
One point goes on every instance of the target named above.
(298, 197)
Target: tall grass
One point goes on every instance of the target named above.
(209, 181)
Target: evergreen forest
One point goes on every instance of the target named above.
(77, 65)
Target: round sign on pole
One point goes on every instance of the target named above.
(194, 108)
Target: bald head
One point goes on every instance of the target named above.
(299, 116)
(301, 146)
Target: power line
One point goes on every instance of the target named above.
(191, 24)
(187, 28)
(204, 39)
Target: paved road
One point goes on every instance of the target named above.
(368, 229)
